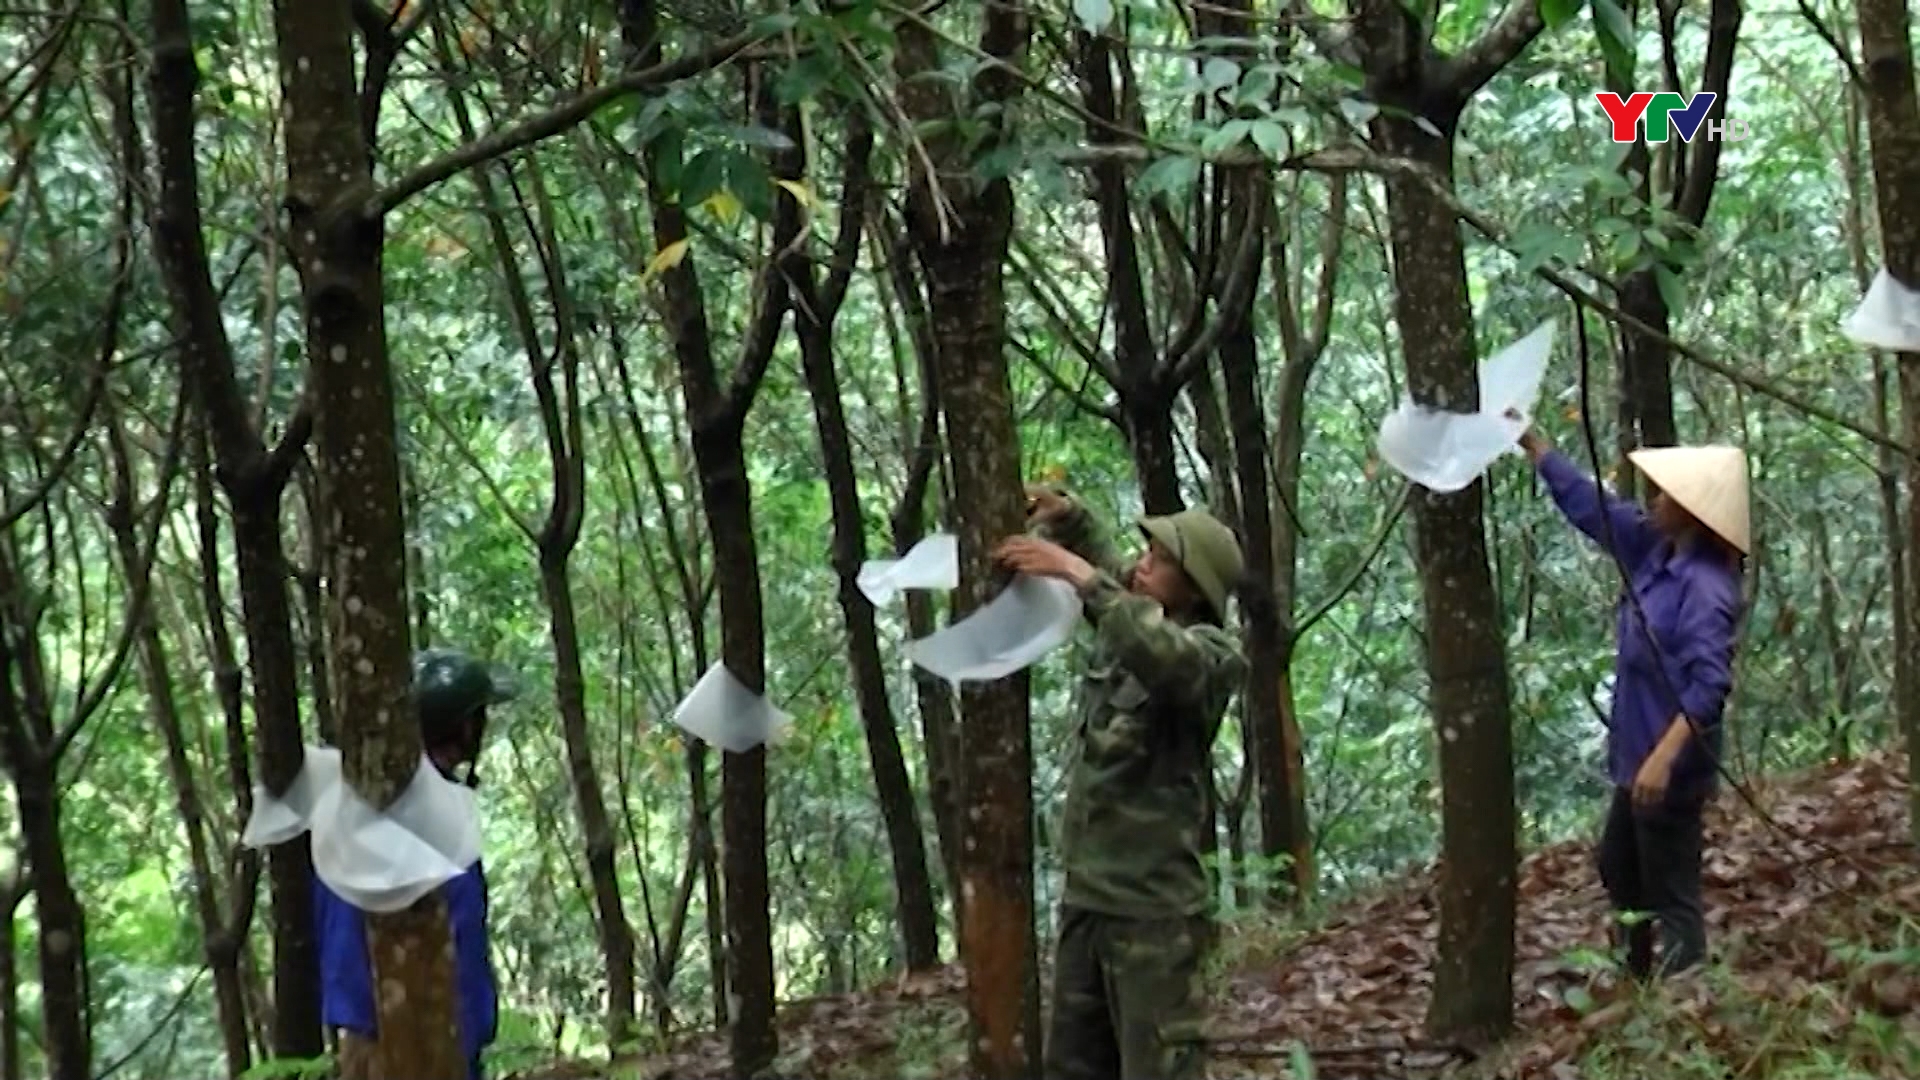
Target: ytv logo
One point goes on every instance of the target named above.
(1665, 109)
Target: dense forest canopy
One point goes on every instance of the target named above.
(636, 328)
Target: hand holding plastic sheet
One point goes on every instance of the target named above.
(933, 563)
(1445, 451)
(722, 712)
(376, 861)
(1030, 618)
(1888, 316)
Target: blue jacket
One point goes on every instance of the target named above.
(346, 979)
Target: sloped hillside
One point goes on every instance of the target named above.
(1814, 906)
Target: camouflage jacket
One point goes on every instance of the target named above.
(1151, 700)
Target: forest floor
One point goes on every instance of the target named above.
(1815, 918)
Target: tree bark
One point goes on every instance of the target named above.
(961, 233)
(26, 737)
(717, 414)
(1646, 369)
(1465, 643)
(1272, 751)
(939, 730)
(337, 251)
(218, 943)
(1893, 132)
(554, 544)
(254, 481)
(813, 327)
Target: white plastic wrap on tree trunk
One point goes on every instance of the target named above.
(722, 712)
(1445, 451)
(1888, 316)
(376, 861)
(933, 563)
(1030, 618)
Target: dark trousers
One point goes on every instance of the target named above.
(1127, 1001)
(1650, 864)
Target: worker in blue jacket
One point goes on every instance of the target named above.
(451, 692)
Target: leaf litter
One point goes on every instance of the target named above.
(1354, 990)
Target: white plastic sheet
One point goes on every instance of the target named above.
(933, 563)
(1445, 451)
(1030, 618)
(1888, 316)
(376, 861)
(722, 712)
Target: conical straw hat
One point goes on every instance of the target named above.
(1709, 482)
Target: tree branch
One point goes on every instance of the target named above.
(552, 122)
(1703, 158)
(1464, 74)
(286, 453)
(1076, 394)
(1360, 569)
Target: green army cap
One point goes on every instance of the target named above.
(449, 686)
(1205, 548)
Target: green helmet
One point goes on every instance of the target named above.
(1205, 548)
(451, 692)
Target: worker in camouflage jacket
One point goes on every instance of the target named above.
(1127, 1002)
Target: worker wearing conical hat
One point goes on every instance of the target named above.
(1127, 1000)
(1684, 555)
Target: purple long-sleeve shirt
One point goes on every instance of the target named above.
(1692, 599)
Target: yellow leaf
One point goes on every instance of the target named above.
(1055, 474)
(668, 258)
(798, 189)
(1573, 412)
(724, 206)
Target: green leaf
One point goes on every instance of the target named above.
(998, 163)
(1359, 113)
(777, 23)
(1556, 12)
(1257, 86)
(759, 137)
(1274, 140)
(1219, 73)
(751, 183)
(1095, 15)
(1579, 999)
(1300, 1061)
(1167, 176)
(669, 160)
(1349, 74)
(703, 176)
(1226, 137)
(1627, 248)
(1671, 289)
(1617, 38)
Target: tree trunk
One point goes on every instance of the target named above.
(555, 543)
(962, 250)
(1271, 751)
(254, 481)
(1465, 645)
(1646, 369)
(716, 415)
(13, 889)
(218, 945)
(1893, 130)
(1302, 347)
(27, 750)
(939, 731)
(813, 326)
(616, 936)
(336, 246)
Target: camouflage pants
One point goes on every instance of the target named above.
(1126, 999)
